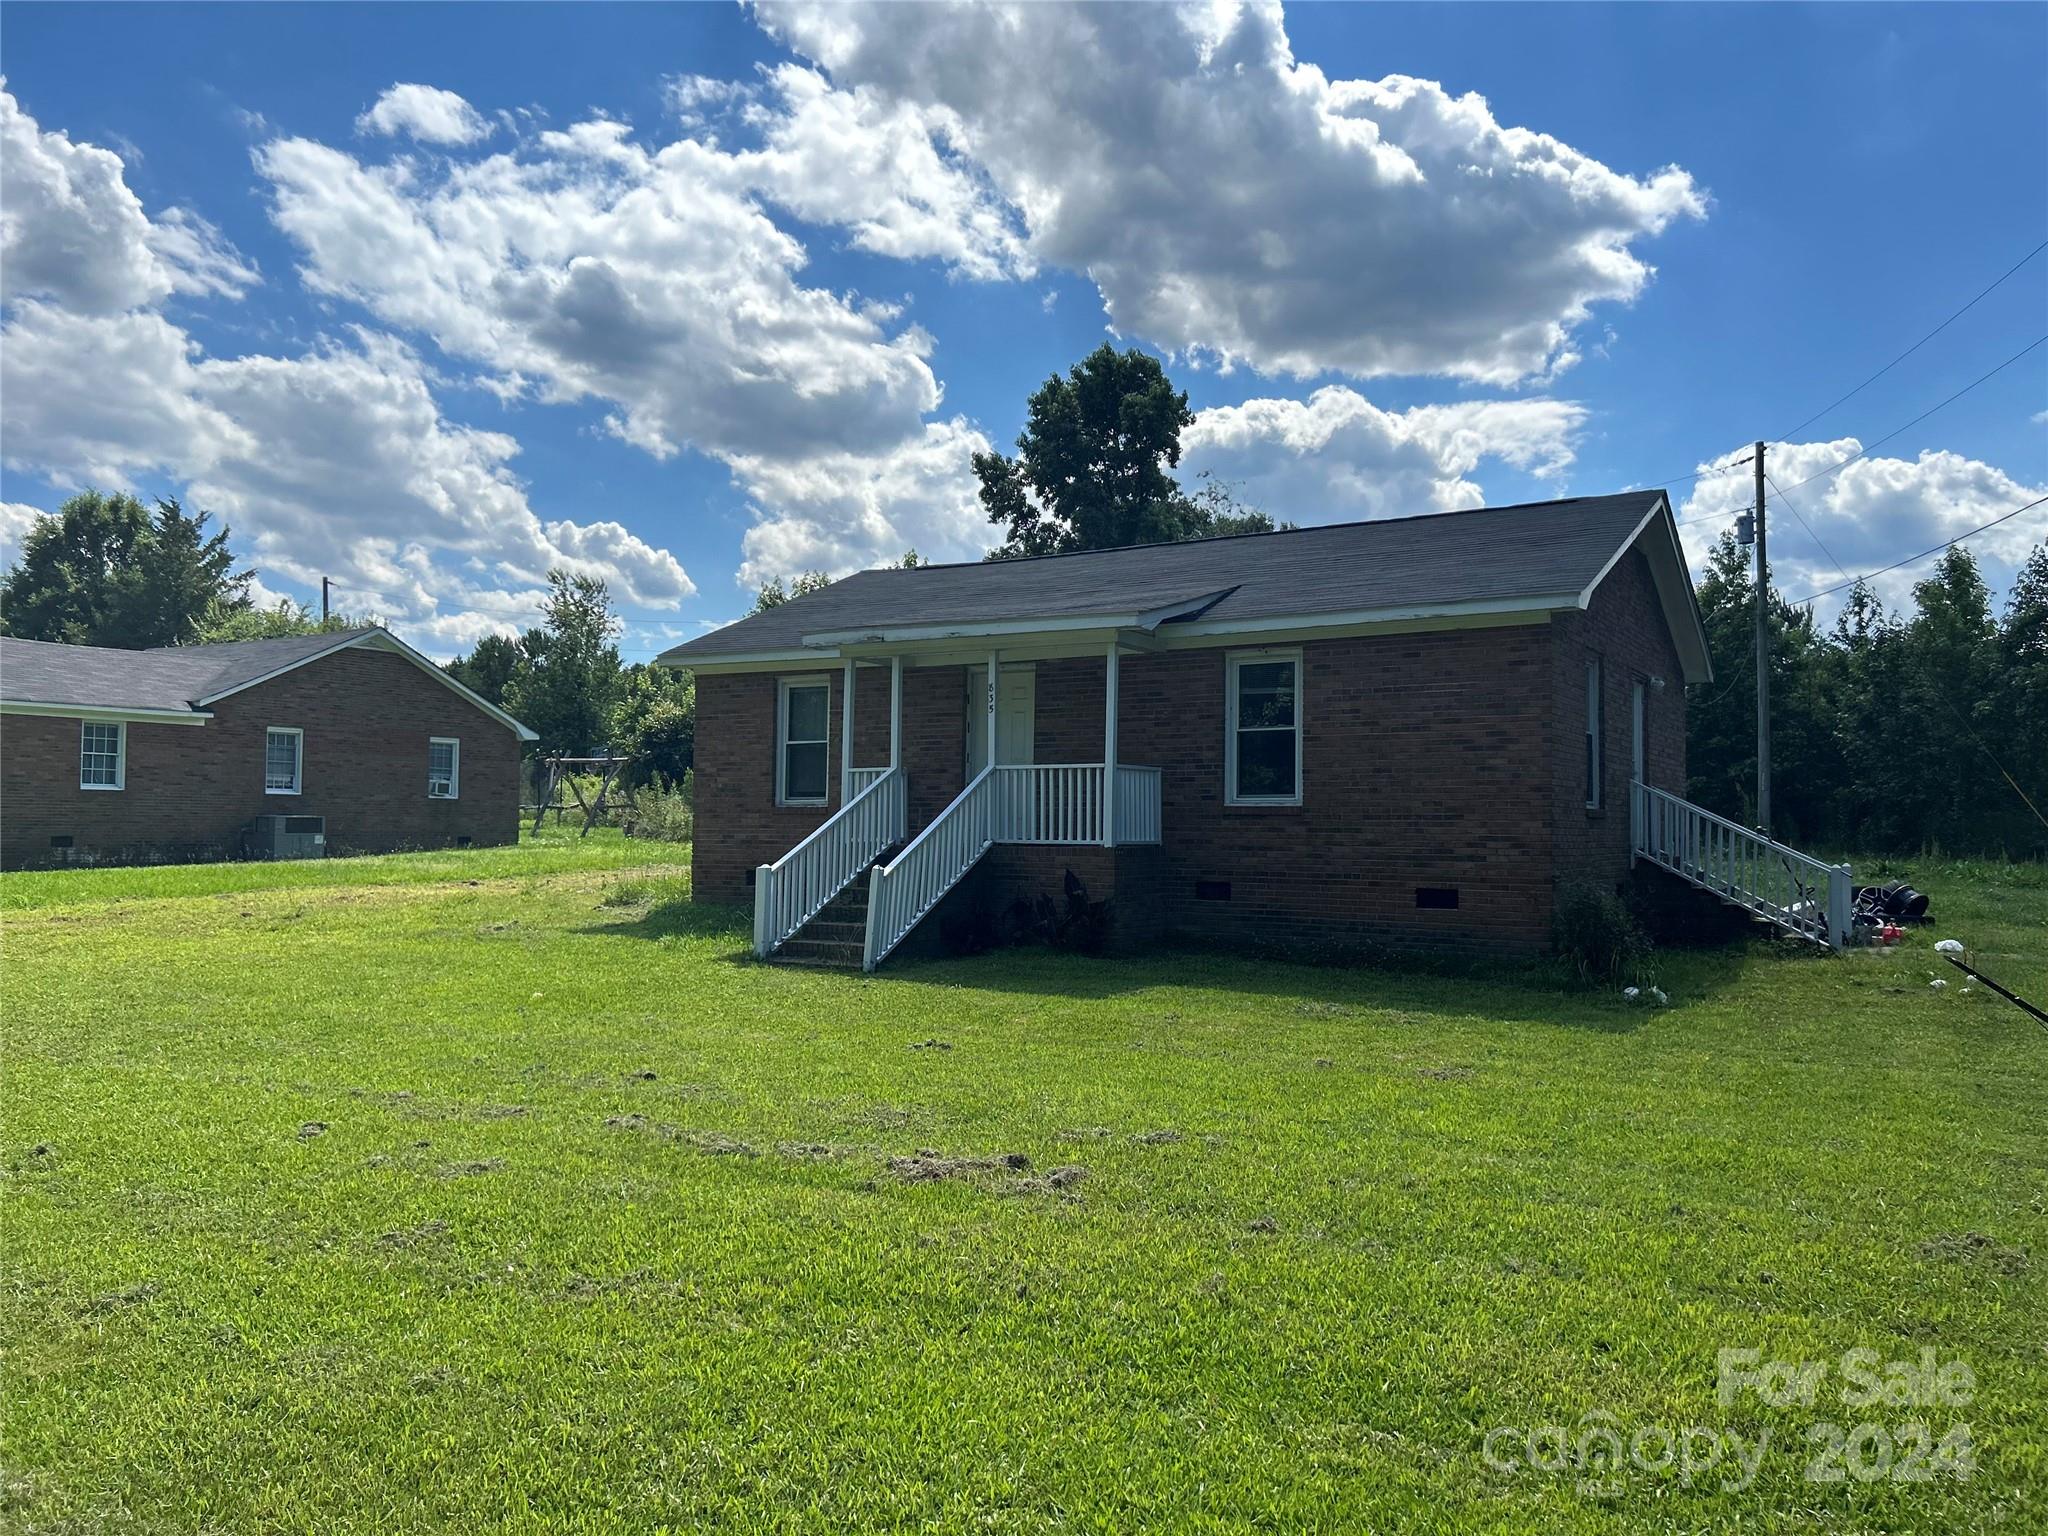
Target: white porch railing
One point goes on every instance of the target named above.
(1062, 803)
(1792, 889)
(792, 890)
(902, 891)
(1048, 803)
(1137, 804)
(859, 779)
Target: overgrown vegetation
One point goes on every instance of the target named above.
(510, 1193)
(1598, 937)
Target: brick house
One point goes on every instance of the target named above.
(1407, 731)
(172, 754)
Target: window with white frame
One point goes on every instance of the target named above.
(102, 754)
(444, 767)
(282, 759)
(1262, 747)
(802, 737)
(1595, 735)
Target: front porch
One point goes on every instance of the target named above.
(1004, 798)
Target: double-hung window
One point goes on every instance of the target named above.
(102, 754)
(1596, 735)
(283, 759)
(803, 718)
(444, 767)
(1262, 744)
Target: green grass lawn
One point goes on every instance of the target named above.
(502, 1191)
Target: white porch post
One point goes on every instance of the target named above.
(994, 682)
(1109, 749)
(846, 736)
(895, 711)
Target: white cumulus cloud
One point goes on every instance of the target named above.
(841, 512)
(71, 230)
(586, 266)
(1336, 456)
(336, 462)
(426, 114)
(1870, 514)
(16, 519)
(1230, 200)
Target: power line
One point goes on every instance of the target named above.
(1888, 367)
(1787, 500)
(1860, 452)
(1937, 549)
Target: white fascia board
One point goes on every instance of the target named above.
(901, 634)
(1667, 571)
(105, 712)
(748, 661)
(1430, 615)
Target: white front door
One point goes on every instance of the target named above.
(1015, 719)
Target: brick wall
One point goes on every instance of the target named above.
(1448, 759)
(1625, 630)
(191, 789)
(1424, 763)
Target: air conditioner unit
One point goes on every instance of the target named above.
(289, 837)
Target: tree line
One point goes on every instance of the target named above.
(1917, 730)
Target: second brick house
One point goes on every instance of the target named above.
(1410, 730)
(176, 754)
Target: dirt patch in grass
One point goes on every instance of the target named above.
(926, 1166)
(120, 1301)
(311, 1129)
(932, 1045)
(808, 1151)
(1262, 1224)
(585, 1287)
(710, 1143)
(1158, 1138)
(474, 1168)
(412, 1237)
(1054, 1181)
(1975, 1248)
(718, 1144)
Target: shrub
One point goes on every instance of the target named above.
(662, 812)
(1598, 938)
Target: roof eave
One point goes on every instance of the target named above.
(141, 714)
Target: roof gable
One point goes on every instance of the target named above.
(183, 680)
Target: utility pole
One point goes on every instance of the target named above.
(1763, 660)
(323, 599)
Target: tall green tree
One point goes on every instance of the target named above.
(656, 724)
(105, 570)
(488, 670)
(1092, 468)
(570, 681)
(2022, 714)
(224, 623)
(774, 594)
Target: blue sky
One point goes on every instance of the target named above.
(430, 298)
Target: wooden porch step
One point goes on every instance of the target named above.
(833, 954)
